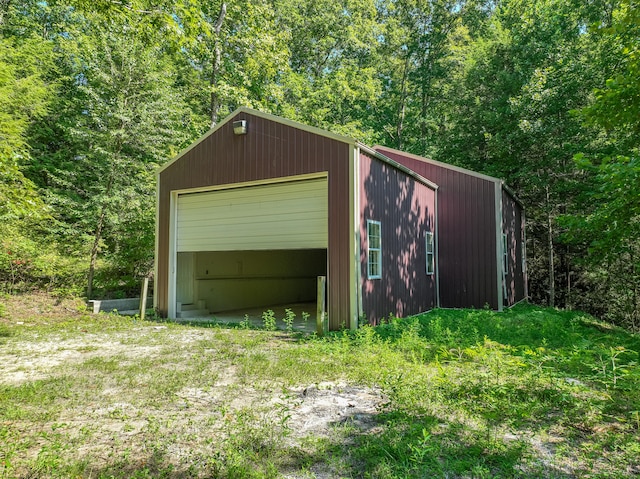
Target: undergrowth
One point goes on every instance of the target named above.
(526, 393)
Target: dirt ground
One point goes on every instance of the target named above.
(119, 417)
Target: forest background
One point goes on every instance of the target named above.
(95, 95)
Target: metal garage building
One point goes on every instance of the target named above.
(253, 212)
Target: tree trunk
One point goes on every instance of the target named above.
(424, 100)
(552, 283)
(402, 105)
(215, 69)
(97, 236)
(635, 307)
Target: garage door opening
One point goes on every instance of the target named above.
(248, 282)
(250, 246)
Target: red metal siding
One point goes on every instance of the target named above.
(269, 150)
(406, 210)
(513, 227)
(466, 233)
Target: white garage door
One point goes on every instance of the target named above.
(290, 215)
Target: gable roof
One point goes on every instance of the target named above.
(448, 166)
(376, 151)
(300, 126)
(416, 176)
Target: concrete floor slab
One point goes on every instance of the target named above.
(254, 316)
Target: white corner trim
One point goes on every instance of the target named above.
(498, 211)
(354, 211)
(172, 263)
(157, 242)
(436, 244)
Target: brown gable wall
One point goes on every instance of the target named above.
(466, 233)
(269, 150)
(405, 209)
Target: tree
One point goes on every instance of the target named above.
(331, 78)
(119, 120)
(415, 46)
(24, 97)
(507, 112)
(610, 228)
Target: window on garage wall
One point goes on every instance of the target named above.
(374, 249)
(430, 250)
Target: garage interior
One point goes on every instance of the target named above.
(217, 281)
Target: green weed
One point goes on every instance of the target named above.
(269, 320)
(289, 318)
(524, 393)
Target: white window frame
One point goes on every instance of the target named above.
(430, 249)
(371, 273)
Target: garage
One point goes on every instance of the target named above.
(250, 245)
(252, 212)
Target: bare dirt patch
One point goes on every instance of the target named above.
(318, 407)
(155, 396)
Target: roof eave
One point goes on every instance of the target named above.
(513, 195)
(441, 164)
(395, 164)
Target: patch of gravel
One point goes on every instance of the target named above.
(32, 361)
(319, 407)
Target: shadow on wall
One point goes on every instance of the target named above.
(513, 228)
(405, 209)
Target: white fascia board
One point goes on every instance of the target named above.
(195, 143)
(459, 169)
(499, 226)
(380, 156)
(295, 124)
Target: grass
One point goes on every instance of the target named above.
(526, 393)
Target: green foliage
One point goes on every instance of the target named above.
(121, 120)
(464, 393)
(24, 97)
(610, 229)
(94, 96)
(491, 375)
(30, 261)
(617, 104)
(289, 318)
(269, 320)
